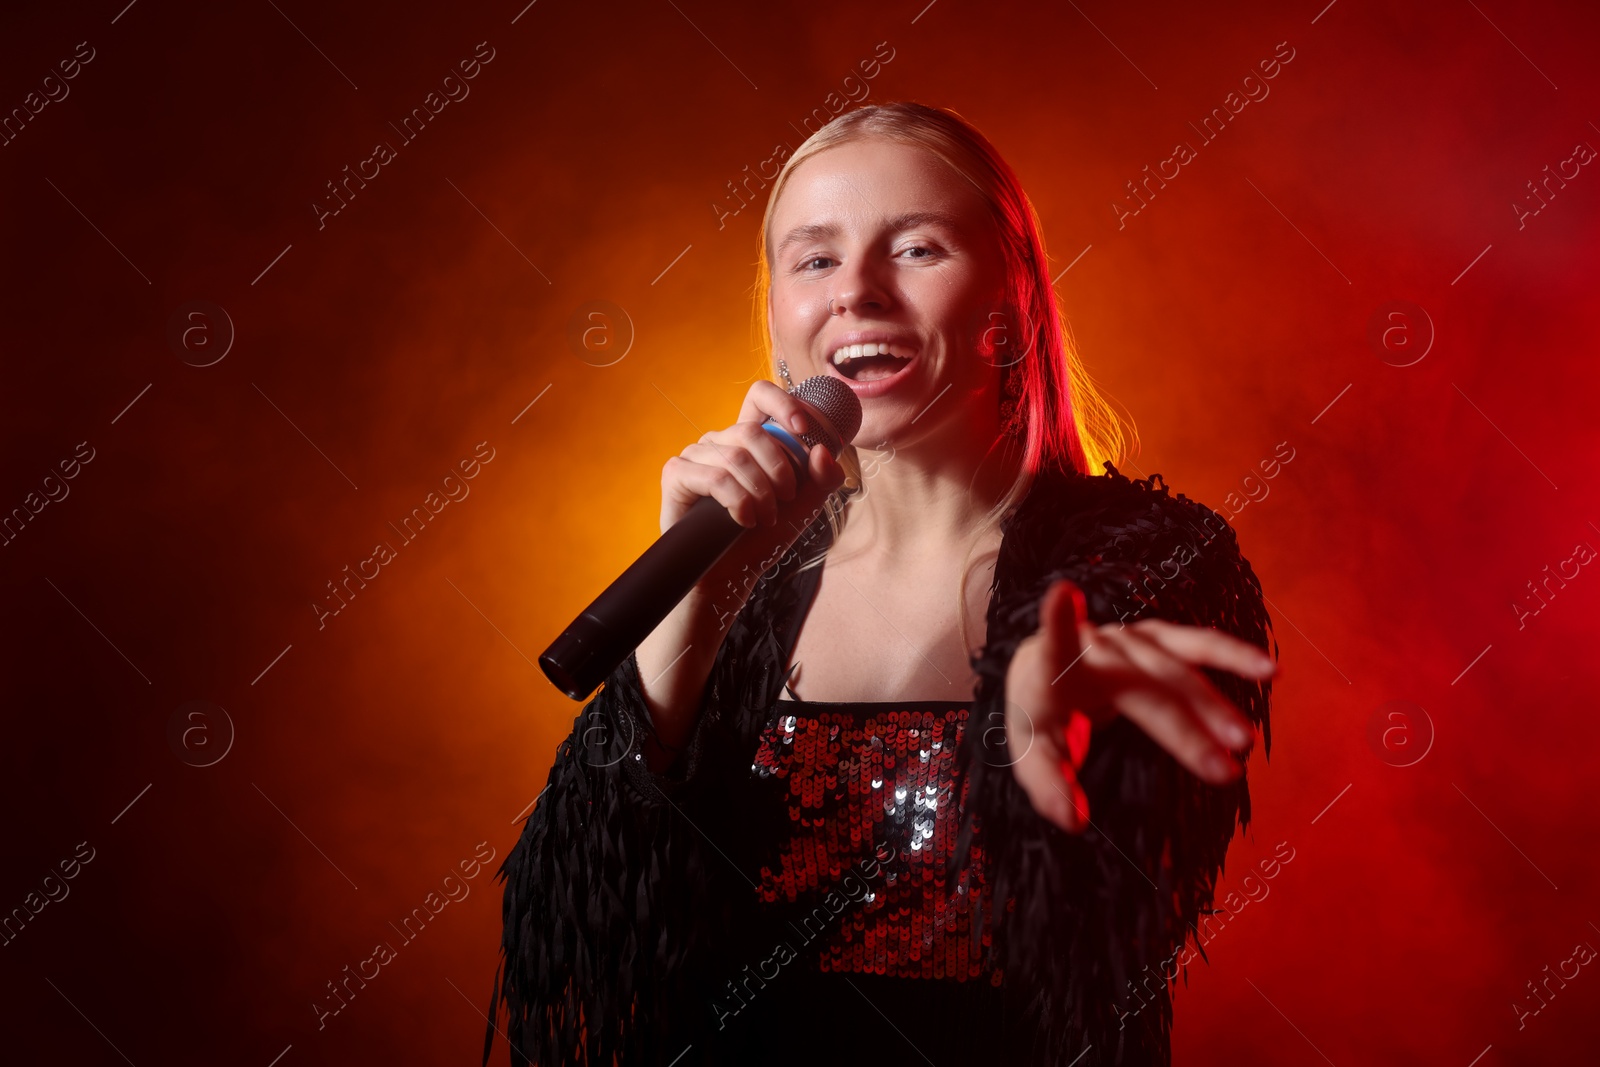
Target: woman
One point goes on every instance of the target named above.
(954, 776)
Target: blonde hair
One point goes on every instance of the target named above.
(1062, 419)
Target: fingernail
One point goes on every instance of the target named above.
(1218, 766)
(1239, 735)
(800, 424)
(1265, 662)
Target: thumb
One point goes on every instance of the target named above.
(826, 473)
(1062, 616)
(822, 476)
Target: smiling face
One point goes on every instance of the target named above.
(882, 246)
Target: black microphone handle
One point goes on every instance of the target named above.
(591, 648)
(611, 627)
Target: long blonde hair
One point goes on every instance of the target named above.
(1061, 418)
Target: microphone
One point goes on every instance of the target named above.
(619, 619)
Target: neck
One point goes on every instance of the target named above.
(923, 500)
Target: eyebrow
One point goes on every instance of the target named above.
(904, 221)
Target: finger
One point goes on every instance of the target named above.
(1171, 721)
(766, 399)
(743, 465)
(1063, 616)
(774, 458)
(826, 473)
(823, 477)
(1227, 724)
(1176, 728)
(745, 468)
(727, 448)
(1210, 647)
(1046, 776)
(684, 481)
(1076, 735)
(1143, 683)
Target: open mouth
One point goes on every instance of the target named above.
(871, 368)
(869, 362)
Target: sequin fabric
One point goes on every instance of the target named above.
(873, 814)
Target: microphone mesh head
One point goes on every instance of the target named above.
(839, 408)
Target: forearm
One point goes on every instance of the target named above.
(675, 663)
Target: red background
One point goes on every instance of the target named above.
(374, 353)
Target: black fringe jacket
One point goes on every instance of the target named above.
(629, 901)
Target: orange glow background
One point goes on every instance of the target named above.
(372, 355)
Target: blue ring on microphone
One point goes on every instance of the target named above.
(798, 453)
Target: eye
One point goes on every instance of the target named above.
(929, 252)
(807, 264)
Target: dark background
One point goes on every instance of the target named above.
(352, 762)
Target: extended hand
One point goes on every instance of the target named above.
(1072, 675)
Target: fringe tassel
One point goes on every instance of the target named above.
(1091, 921)
(625, 893)
(628, 895)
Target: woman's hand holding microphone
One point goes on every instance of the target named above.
(746, 470)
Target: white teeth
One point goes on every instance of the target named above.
(857, 351)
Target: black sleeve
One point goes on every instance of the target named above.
(599, 892)
(618, 891)
(1093, 920)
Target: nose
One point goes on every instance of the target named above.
(857, 287)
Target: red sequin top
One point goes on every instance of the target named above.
(873, 817)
